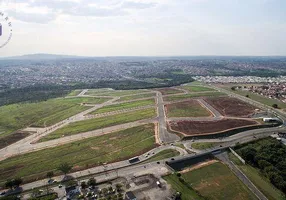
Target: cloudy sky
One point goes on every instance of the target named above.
(146, 27)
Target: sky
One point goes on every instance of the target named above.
(146, 27)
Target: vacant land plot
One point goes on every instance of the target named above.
(45, 113)
(138, 96)
(258, 179)
(196, 88)
(115, 93)
(233, 107)
(190, 108)
(166, 91)
(208, 127)
(122, 106)
(253, 96)
(188, 193)
(168, 153)
(217, 182)
(98, 123)
(81, 154)
(188, 96)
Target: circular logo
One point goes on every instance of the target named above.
(5, 29)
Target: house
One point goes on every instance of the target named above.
(130, 196)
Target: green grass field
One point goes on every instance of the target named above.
(168, 153)
(166, 91)
(98, 123)
(138, 96)
(188, 96)
(216, 181)
(74, 93)
(81, 154)
(196, 88)
(122, 106)
(187, 109)
(187, 192)
(203, 145)
(259, 180)
(17, 116)
(115, 93)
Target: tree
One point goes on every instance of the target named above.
(83, 185)
(65, 168)
(247, 96)
(9, 184)
(233, 88)
(91, 182)
(50, 174)
(275, 105)
(17, 182)
(178, 174)
(118, 187)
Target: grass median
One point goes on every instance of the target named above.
(82, 154)
(188, 96)
(137, 96)
(45, 113)
(196, 88)
(115, 93)
(122, 106)
(98, 123)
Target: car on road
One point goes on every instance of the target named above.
(3, 193)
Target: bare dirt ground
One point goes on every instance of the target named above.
(232, 107)
(199, 165)
(205, 127)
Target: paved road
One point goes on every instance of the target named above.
(82, 92)
(242, 137)
(91, 116)
(164, 135)
(211, 109)
(26, 146)
(122, 168)
(224, 158)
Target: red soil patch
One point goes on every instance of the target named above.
(232, 107)
(166, 91)
(12, 138)
(208, 127)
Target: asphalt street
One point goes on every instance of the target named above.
(165, 136)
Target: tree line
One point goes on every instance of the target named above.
(268, 155)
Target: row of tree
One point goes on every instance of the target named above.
(269, 156)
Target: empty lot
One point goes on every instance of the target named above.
(208, 127)
(233, 107)
(190, 108)
(81, 154)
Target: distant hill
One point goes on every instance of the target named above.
(42, 57)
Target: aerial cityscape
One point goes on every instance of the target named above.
(142, 100)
